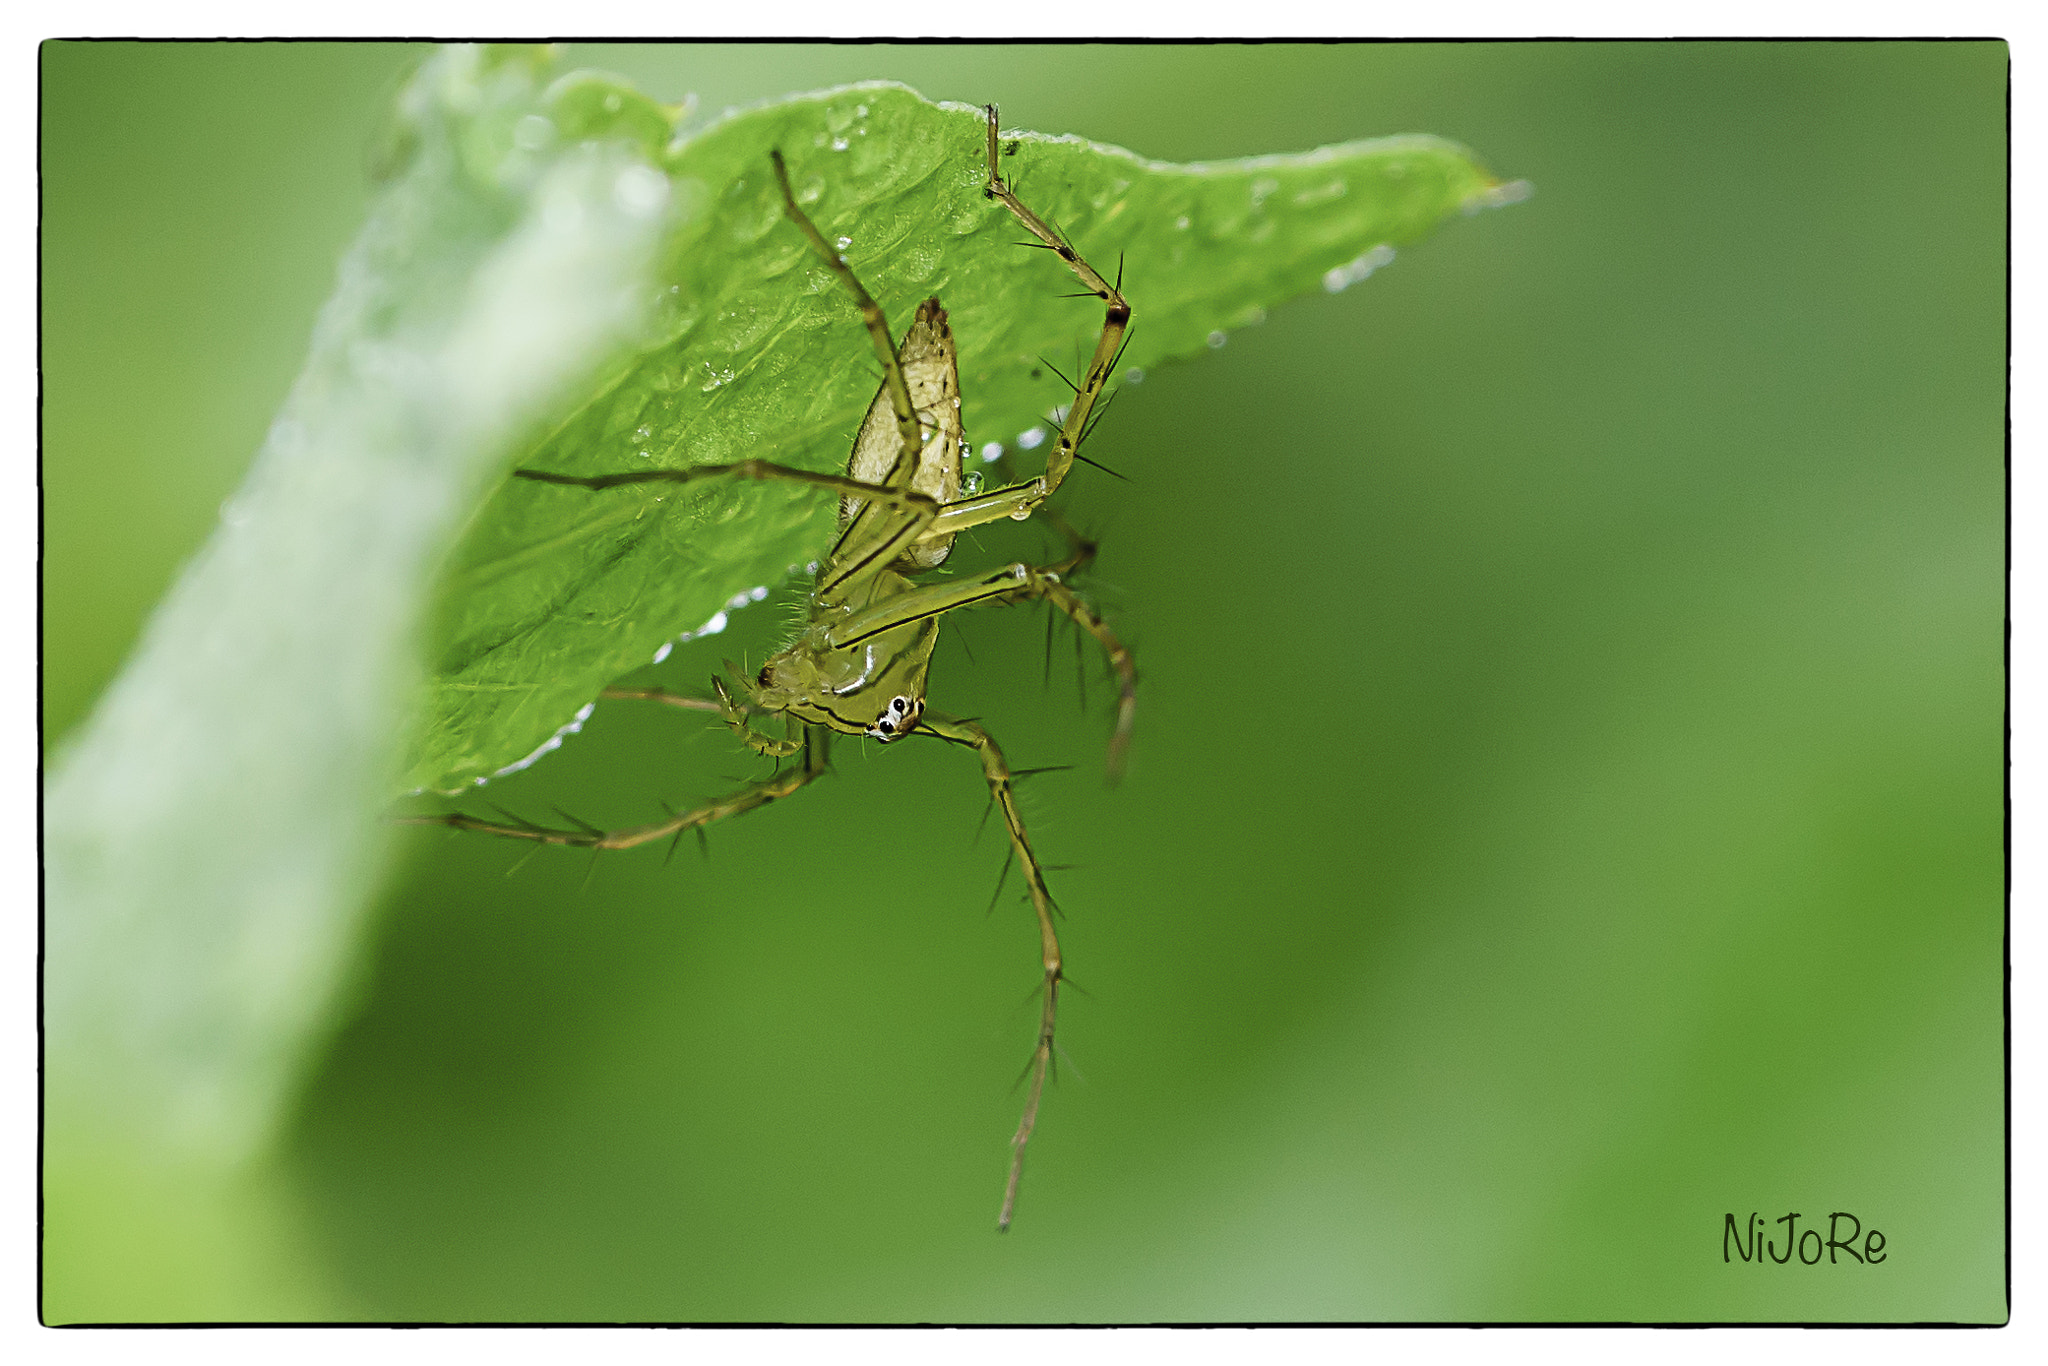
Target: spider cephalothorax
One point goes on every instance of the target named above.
(874, 686)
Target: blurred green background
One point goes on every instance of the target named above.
(1566, 805)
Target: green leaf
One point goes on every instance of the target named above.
(558, 591)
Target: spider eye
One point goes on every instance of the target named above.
(764, 678)
(897, 718)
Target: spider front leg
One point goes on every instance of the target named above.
(880, 530)
(816, 745)
(1116, 318)
(910, 513)
(871, 314)
(914, 507)
(1020, 501)
(1001, 791)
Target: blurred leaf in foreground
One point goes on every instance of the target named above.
(214, 831)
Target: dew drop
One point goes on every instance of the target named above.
(992, 451)
(1031, 440)
(1216, 339)
(1340, 278)
(551, 744)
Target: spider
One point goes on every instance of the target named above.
(859, 665)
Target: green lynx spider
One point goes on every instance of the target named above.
(859, 665)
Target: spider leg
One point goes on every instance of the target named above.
(1115, 321)
(912, 512)
(875, 537)
(673, 699)
(737, 715)
(1001, 780)
(1021, 500)
(816, 745)
(914, 506)
(871, 314)
(1047, 585)
(1029, 582)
